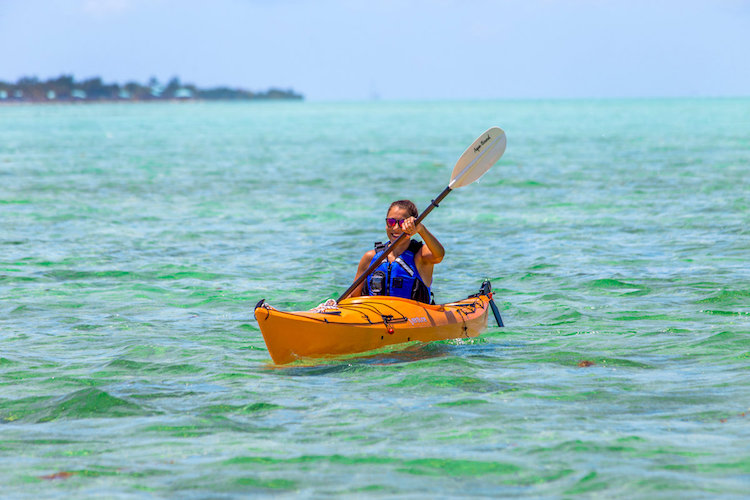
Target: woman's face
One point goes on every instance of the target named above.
(399, 214)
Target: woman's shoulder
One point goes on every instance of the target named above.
(369, 254)
(415, 246)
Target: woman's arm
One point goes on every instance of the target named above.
(434, 252)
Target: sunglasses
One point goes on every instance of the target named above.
(393, 222)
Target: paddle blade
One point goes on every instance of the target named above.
(478, 158)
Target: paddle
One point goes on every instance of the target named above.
(473, 163)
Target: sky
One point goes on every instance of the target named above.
(391, 49)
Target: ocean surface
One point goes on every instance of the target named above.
(135, 240)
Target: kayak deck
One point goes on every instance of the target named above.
(362, 324)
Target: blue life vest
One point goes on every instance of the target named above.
(399, 278)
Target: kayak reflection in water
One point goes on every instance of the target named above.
(407, 270)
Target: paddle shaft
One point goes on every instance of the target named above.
(393, 245)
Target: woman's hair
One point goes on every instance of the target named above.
(407, 205)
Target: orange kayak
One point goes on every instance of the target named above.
(361, 324)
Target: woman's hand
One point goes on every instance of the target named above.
(410, 227)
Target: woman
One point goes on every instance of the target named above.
(407, 270)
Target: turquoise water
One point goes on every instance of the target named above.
(137, 238)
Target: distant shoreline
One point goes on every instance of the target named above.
(65, 89)
(90, 102)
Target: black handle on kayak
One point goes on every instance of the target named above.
(390, 248)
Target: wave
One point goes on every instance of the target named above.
(84, 403)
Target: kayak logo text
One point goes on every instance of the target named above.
(421, 319)
(484, 141)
